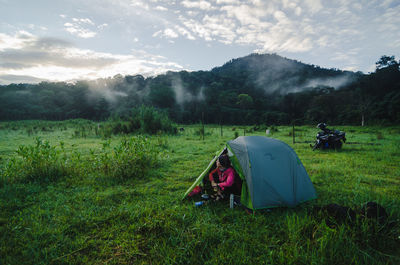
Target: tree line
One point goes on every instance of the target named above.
(256, 89)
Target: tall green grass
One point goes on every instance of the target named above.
(42, 162)
(81, 199)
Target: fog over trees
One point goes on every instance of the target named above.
(256, 89)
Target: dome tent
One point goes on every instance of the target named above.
(271, 171)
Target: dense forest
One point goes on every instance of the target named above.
(256, 89)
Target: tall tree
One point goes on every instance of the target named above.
(386, 61)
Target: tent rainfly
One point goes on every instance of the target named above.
(271, 171)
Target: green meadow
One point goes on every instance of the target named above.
(71, 193)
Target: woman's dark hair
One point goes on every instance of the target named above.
(224, 161)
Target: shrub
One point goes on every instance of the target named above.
(273, 128)
(132, 158)
(134, 124)
(117, 128)
(153, 120)
(41, 163)
(2, 175)
(146, 119)
(200, 131)
(248, 130)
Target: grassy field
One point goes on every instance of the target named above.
(71, 196)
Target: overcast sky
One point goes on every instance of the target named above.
(63, 40)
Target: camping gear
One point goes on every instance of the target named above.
(200, 203)
(271, 172)
(231, 200)
(196, 190)
(205, 196)
(329, 139)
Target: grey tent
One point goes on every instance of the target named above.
(272, 173)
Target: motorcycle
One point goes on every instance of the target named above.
(329, 139)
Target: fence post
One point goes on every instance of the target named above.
(202, 122)
(294, 141)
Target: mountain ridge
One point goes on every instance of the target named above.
(268, 70)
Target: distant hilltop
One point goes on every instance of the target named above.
(274, 73)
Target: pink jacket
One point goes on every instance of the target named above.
(226, 178)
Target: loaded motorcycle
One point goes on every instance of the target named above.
(329, 139)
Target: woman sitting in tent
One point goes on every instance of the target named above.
(224, 179)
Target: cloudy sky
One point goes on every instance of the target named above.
(63, 40)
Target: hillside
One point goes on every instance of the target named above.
(255, 89)
(274, 73)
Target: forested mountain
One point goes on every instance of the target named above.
(256, 89)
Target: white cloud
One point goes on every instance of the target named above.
(232, 2)
(161, 8)
(281, 18)
(323, 41)
(169, 33)
(192, 13)
(297, 11)
(102, 26)
(221, 28)
(347, 57)
(257, 23)
(386, 3)
(395, 44)
(19, 40)
(203, 5)
(184, 32)
(389, 21)
(245, 14)
(313, 5)
(30, 57)
(79, 27)
(350, 68)
(83, 21)
(357, 6)
(77, 30)
(197, 28)
(271, 26)
(157, 33)
(139, 3)
(166, 33)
